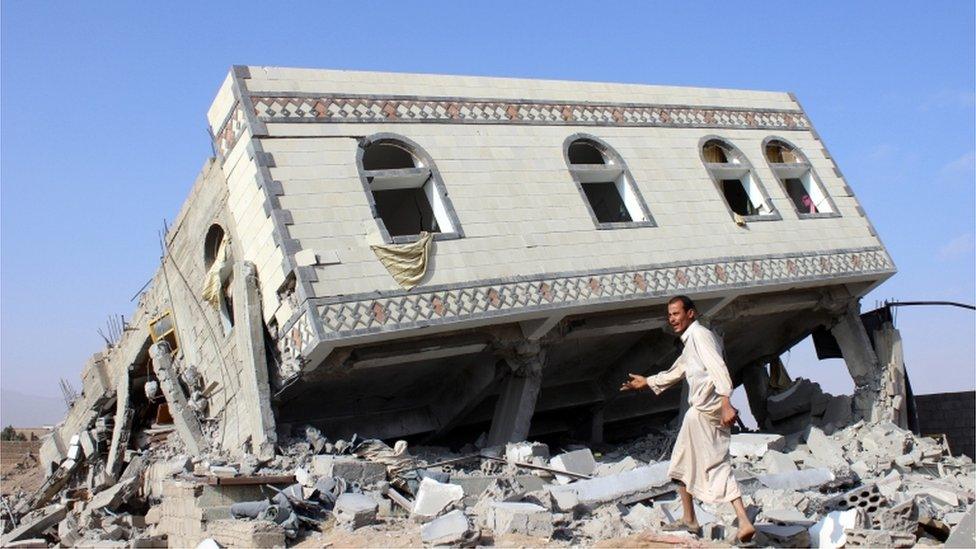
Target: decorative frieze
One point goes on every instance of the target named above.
(351, 316)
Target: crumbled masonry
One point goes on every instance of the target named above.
(276, 386)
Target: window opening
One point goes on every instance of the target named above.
(407, 195)
(162, 328)
(606, 184)
(796, 176)
(218, 284)
(735, 179)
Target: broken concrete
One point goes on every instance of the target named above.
(754, 444)
(349, 469)
(434, 498)
(520, 518)
(450, 529)
(580, 462)
(632, 486)
(354, 511)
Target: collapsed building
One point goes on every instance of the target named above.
(455, 259)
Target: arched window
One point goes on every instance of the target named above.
(605, 182)
(405, 190)
(736, 181)
(800, 183)
(218, 286)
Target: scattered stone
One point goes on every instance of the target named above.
(900, 518)
(29, 528)
(578, 461)
(434, 498)
(520, 518)
(349, 468)
(826, 450)
(782, 536)
(354, 511)
(642, 517)
(755, 444)
(797, 480)
(785, 517)
(630, 487)
(828, 533)
(866, 497)
(964, 534)
(775, 462)
(859, 537)
(450, 529)
(527, 452)
(615, 468)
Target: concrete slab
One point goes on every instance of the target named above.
(628, 487)
(520, 518)
(797, 480)
(449, 529)
(755, 444)
(433, 498)
(577, 461)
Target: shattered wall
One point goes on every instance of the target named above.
(951, 414)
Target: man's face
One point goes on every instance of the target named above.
(679, 318)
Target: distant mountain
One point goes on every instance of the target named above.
(24, 410)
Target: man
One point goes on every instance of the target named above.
(700, 462)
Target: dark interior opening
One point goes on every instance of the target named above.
(714, 153)
(735, 195)
(211, 243)
(799, 195)
(780, 153)
(581, 152)
(405, 211)
(387, 156)
(608, 206)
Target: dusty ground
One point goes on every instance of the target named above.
(24, 474)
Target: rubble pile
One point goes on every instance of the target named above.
(867, 484)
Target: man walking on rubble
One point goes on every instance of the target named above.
(700, 461)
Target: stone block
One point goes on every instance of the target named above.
(527, 452)
(641, 517)
(828, 533)
(450, 529)
(349, 469)
(858, 537)
(797, 399)
(775, 535)
(964, 534)
(520, 518)
(354, 511)
(775, 462)
(89, 443)
(867, 498)
(900, 518)
(433, 498)
(49, 516)
(840, 411)
(577, 461)
(797, 480)
(826, 450)
(755, 444)
(628, 487)
(622, 466)
(245, 533)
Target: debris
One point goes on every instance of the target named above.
(580, 462)
(629, 487)
(434, 498)
(782, 535)
(755, 444)
(49, 516)
(859, 537)
(354, 511)
(535, 453)
(350, 469)
(450, 529)
(797, 480)
(520, 518)
(829, 532)
(964, 534)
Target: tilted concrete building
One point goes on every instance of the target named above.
(563, 214)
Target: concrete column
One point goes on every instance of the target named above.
(861, 360)
(755, 380)
(255, 411)
(184, 418)
(520, 390)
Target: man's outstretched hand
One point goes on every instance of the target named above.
(635, 383)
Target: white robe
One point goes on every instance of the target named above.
(700, 458)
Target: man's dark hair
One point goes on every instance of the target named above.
(686, 302)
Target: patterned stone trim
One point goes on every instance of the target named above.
(231, 131)
(349, 108)
(361, 315)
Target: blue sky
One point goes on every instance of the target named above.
(103, 130)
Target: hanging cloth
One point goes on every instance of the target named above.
(779, 379)
(407, 263)
(218, 271)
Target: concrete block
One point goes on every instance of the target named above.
(798, 398)
(450, 529)
(622, 466)
(527, 452)
(643, 517)
(964, 534)
(829, 532)
(50, 516)
(349, 468)
(775, 535)
(858, 537)
(520, 518)
(797, 480)
(775, 462)
(577, 461)
(433, 498)
(755, 444)
(866, 497)
(626, 487)
(354, 511)
(826, 450)
(840, 411)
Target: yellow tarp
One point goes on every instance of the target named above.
(407, 263)
(214, 280)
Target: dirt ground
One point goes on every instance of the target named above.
(24, 474)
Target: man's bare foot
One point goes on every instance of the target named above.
(746, 533)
